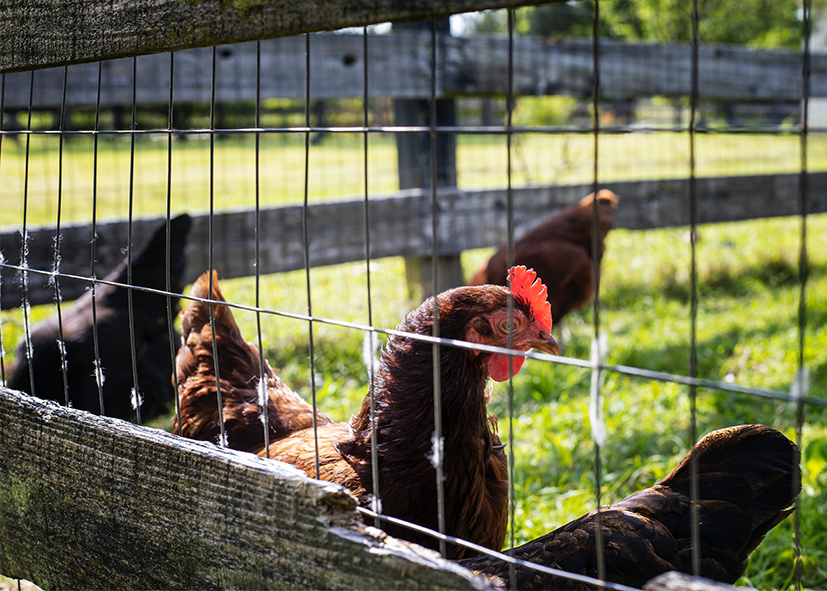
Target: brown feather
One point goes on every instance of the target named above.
(240, 371)
(475, 463)
(746, 481)
(559, 249)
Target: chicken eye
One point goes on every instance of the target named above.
(505, 325)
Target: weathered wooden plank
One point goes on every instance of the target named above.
(57, 32)
(399, 68)
(400, 226)
(95, 503)
(629, 70)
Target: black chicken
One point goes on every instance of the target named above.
(152, 347)
(747, 482)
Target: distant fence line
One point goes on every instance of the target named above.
(398, 67)
(400, 226)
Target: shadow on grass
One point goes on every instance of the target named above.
(719, 278)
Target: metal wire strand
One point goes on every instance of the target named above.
(264, 398)
(438, 442)
(512, 503)
(482, 550)
(94, 240)
(419, 129)
(803, 271)
(695, 527)
(136, 393)
(56, 261)
(599, 545)
(222, 432)
(374, 435)
(24, 242)
(170, 307)
(305, 223)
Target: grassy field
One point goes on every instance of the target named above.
(747, 320)
(336, 168)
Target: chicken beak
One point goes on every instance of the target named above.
(549, 346)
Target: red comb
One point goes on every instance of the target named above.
(527, 288)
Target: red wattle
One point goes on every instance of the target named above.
(498, 366)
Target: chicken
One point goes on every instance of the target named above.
(152, 346)
(560, 250)
(475, 475)
(746, 484)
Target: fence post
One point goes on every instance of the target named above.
(413, 156)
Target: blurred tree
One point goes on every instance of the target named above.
(759, 23)
(557, 21)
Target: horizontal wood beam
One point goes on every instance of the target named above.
(52, 33)
(399, 68)
(88, 502)
(400, 226)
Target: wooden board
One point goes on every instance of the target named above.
(400, 226)
(96, 503)
(57, 32)
(399, 68)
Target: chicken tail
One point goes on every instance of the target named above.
(240, 371)
(747, 483)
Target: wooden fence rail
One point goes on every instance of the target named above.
(400, 226)
(58, 32)
(88, 502)
(398, 67)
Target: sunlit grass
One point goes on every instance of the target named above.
(336, 168)
(747, 321)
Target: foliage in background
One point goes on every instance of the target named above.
(758, 23)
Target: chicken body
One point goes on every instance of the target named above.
(474, 462)
(152, 346)
(560, 250)
(746, 485)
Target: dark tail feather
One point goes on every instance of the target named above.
(747, 485)
(149, 267)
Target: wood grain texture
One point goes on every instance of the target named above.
(93, 503)
(47, 33)
(398, 67)
(400, 225)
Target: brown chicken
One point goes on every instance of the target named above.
(152, 348)
(746, 484)
(475, 475)
(560, 250)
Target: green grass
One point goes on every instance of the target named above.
(747, 310)
(747, 330)
(336, 168)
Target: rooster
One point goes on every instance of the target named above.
(152, 346)
(746, 485)
(475, 474)
(560, 250)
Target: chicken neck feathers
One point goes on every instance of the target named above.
(475, 464)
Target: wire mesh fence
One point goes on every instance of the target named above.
(675, 341)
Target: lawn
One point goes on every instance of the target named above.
(336, 168)
(747, 325)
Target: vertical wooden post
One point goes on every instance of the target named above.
(413, 156)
